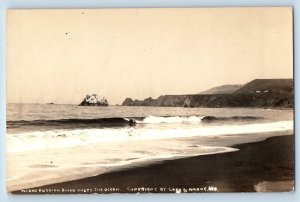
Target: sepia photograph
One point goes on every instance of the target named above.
(149, 100)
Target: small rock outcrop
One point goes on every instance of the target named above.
(128, 102)
(93, 100)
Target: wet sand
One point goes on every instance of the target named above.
(261, 166)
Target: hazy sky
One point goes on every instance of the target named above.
(61, 55)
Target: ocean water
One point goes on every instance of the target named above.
(50, 143)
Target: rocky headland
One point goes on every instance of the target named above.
(269, 93)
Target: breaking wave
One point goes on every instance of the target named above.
(120, 122)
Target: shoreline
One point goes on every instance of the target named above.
(120, 105)
(264, 165)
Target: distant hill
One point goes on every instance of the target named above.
(225, 89)
(267, 85)
(271, 93)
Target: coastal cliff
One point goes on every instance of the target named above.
(257, 93)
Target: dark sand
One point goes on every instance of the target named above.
(270, 160)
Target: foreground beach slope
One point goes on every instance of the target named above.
(266, 166)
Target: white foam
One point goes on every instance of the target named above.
(40, 140)
(173, 119)
(32, 169)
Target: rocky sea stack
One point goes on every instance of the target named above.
(93, 100)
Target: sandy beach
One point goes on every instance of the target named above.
(260, 166)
